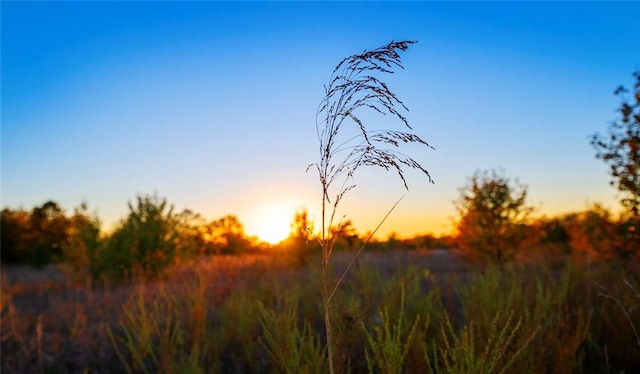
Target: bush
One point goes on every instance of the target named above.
(145, 242)
(494, 217)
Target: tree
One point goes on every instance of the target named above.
(301, 230)
(83, 248)
(620, 148)
(16, 236)
(49, 226)
(592, 231)
(227, 236)
(190, 227)
(34, 237)
(145, 242)
(494, 217)
(345, 235)
(553, 235)
(300, 245)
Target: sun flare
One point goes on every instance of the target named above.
(273, 223)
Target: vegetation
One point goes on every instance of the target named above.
(400, 312)
(170, 292)
(494, 217)
(620, 149)
(149, 240)
(353, 86)
(35, 237)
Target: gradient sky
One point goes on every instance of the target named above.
(212, 105)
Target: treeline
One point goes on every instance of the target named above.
(151, 237)
(494, 225)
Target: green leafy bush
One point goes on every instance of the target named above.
(145, 242)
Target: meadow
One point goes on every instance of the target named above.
(399, 310)
(168, 292)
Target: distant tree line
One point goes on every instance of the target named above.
(495, 224)
(150, 238)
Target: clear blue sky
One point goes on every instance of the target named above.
(212, 105)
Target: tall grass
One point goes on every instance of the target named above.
(466, 352)
(292, 345)
(390, 342)
(393, 311)
(353, 87)
(161, 332)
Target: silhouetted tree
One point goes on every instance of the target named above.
(49, 227)
(191, 234)
(35, 237)
(15, 236)
(301, 231)
(494, 217)
(301, 244)
(345, 235)
(228, 236)
(592, 231)
(620, 148)
(553, 236)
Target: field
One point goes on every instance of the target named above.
(398, 311)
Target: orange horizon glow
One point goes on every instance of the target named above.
(271, 222)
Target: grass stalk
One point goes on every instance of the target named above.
(353, 86)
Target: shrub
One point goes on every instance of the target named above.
(494, 217)
(145, 242)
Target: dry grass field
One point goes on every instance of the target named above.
(228, 314)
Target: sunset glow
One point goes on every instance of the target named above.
(213, 104)
(271, 223)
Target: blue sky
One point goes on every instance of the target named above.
(212, 105)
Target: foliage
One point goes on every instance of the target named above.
(553, 236)
(462, 352)
(300, 246)
(206, 317)
(494, 217)
(292, 345)
(346, 235)
(148, 240)
(616, 325)
(353, 87)
(620, 148)
(50, 226)
(35, 237)
(191, 242)
(83, 248)
(390, 343)
(597, 232)
(591, 231)
(546, 308)
(145, 242)
(162, 332)
(16, 238)
(227, 236)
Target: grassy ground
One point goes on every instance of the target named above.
(399, 311)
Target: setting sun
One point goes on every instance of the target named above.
(272, 223)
